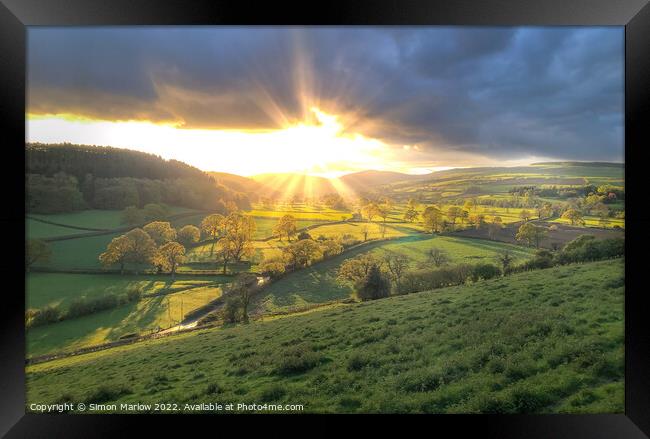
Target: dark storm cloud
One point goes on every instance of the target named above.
(500, 92)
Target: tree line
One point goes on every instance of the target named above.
(373, 276)
(66, 178)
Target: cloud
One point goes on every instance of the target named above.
(498, 92)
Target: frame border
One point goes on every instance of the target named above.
(15, 15)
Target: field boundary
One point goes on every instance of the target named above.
(100, 232)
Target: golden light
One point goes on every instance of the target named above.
(322, 148)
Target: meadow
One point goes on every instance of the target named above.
(319, 283)
(546, 341)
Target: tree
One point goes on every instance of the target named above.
(240, 229)
(302, 253)
(355, 269)
(453, 213)
(212, 226)
(331, 247)
(371, 210)
(160, 231)
(116, 252)
(141, 247)
(531, 234)
(153, 211)
(224, 254)
(365, 229)
(410, 215)
(438, 257)
(494, 227)
(574, 216)
(524, 215)
(374, 285)
(36, 250)
(602, 212)
(385, 208)
(432, 218)
(189, 235)
(273, 267)
(477, 220)
(169, 255)
(505, 260)
(286, 226)
(382, 229)
(243, 288)
(397, 264)
(131, 215)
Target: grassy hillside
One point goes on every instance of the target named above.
(536, 342)
(148, 314)
(319, 283)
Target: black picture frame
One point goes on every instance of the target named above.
(15, 15)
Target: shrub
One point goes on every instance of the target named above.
(44, 316)
(423, 280)
(233, 310)
(303, 235)
(272, 267)
(105, 394)
(374, 286)
(296, 360)
(272, 393)
(542, 259)
(485, 271)
(586, 248)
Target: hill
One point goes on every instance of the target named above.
(295, 185)
(238, 183)
(66, 178)
(368, 180)
(544, 341)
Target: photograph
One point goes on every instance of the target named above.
(325, 219)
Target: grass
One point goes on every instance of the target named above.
(77, 253)
(594, 221)
(94, 219)
(319, 283)
(546, 341)
(149, 314)
(355, 231)
(59, 289)
(39, 230)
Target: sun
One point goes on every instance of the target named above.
(318, 146)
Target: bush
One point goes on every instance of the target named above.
(105, 394)
(374, 286)
(485, 271)
(542, 259)
(303, 235)
(272, 267)
(296, 360)
(233, 310)
(423, 280)
(44, 316)
(587, 248)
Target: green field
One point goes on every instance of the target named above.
(59, 289)
(545, 341)
(319, 283)
(38, 230)
(149, 314)
(94, 219)
(77, 253)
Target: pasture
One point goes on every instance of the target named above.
(147, 315)
(546, 341)
(319, 283)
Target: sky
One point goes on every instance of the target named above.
(332, 100)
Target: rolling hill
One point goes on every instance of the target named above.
(370, 180)
(546, 341)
